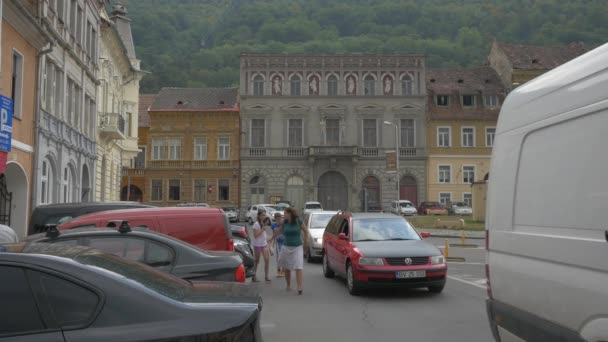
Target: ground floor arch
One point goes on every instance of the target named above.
(295, 191)
(408, 189)
(371, 194)
(14, 198)
(85, 188)
(131, 193)
(333, 191)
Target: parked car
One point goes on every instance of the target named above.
(243, 247)
(81, 294)
(312, 206)
(374, 208)
(316, 221)
(283, 205)
(54, 214)
(403, 207)
(380, 250)
(240, 232)
(206, 228)
(160, 251)
(548, 262)
(270, 210)
(231, 213)
(459, 208)
(432, 208)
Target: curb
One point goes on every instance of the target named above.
(457, 236)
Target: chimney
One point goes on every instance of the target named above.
(119, 16)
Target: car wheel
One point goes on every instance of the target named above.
(353, 286)
(436, 288)
(327, 272)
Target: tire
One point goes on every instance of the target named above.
(353, 285)
(327, 271)
(436, 288)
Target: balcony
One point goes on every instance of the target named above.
(411, 152)
(193, 164)
(267, 152)
(333, 151)
(133, 172)
(112, 126)
(367, 152)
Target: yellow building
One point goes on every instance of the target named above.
(192, 153)
(462, 111)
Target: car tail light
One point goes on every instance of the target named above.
(230, 246)
(244, 232)
(239, 274)
(488, 285)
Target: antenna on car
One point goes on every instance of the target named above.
(51, 231)
(124, 227)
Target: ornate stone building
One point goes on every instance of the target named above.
(313, 128)
(65, 152)
(119, 77)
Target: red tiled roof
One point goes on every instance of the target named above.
(463, 80)
(534, 57)
(145, 101)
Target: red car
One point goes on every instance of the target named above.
(381, 250)
(432, 208)
(206, 228)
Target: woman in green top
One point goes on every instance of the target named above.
(295, 236)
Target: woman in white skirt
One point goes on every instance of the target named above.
(295, 242)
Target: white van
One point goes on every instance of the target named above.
(547, 207)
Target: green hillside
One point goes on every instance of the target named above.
(168, 33)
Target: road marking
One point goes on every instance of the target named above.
(472, 283)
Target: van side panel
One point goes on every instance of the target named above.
(547, 216)
(206, 231)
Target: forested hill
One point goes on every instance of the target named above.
(169, 33)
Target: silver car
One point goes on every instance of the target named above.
(316, 221)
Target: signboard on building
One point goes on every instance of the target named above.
(391, 161)
(6, 123)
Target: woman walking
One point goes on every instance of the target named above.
(278, 242)
(292, 253)
(260, 245)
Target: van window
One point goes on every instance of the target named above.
(555, 190)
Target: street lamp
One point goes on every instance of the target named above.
(396, 159)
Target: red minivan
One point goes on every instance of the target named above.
(206, 228)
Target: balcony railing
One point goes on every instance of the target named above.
(267, 152)
(133, 172)
(369, 151)
(336, 151)
(112, 126)
(193, 164)
(411, 152)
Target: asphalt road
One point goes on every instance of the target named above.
(326, 312)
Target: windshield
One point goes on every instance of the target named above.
(382, 229)
(405, 205)
(460, 204)
(314, 206)
(273, 208)
(229, 209)
(320, 221)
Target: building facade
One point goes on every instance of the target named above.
(133, 177)
(22, 39)
(518, 64)
(119, 76)
(462, 112)
(313, 129)
(67, 112)
(192, 147)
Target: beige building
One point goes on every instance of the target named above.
(118, 95)
(462, 111)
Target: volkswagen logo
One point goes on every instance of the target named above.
(408, 261)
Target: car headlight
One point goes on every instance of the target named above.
(371, 262)
(437, 260)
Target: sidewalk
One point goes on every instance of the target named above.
(449, 233)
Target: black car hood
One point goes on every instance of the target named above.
(390, 249)
(213, 292)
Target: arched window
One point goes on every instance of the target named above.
(258, 86)
(66, 186)
(370, 85)
(256, 186)
(47, 182)
(406, 85)
(296, 83)
(332, 86)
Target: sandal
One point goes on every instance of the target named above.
(300, 292)
(254, 279)
(268, 281)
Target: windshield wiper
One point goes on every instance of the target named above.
(398, 239)
(368, 240)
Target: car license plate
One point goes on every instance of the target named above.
(410, 274)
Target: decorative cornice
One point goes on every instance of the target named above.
(24, 23)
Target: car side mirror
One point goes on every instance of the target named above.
(425, 235)
(342, 236)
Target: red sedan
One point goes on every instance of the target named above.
(380, 250)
